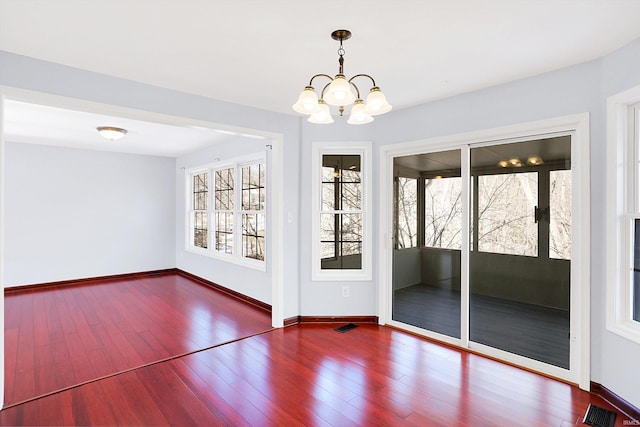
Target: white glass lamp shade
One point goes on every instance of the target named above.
(377, 102)
(322, 115)
(112, 133)
(359, 115)
(339, 92)
(307, 101)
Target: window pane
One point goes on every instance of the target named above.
(224, 232)
(200, 191)
(351, 196)
(351, 227)
(560, 211)
(253, 183)
(253, 236)
(200, 229)
(506, 222)
(224, 189)
(443, 213)
(328, 227)
(341, 241)
(351, 175)
(406, 213)
(327, 250)
(328, 196)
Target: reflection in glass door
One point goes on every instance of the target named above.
(520, 263)
(428, 241)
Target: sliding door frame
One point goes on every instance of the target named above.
(576, 126)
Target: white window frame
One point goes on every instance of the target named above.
(363, 149)
(190, 217)
(236, 257)
(623, 171)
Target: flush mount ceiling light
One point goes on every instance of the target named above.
(516, 163)
(535, 160)
(112, 133)
(338, 91)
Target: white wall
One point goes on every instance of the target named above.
(77, 213)
(614, 358)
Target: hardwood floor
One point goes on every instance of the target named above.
(306, 374)
(57, 337)
(528, 330)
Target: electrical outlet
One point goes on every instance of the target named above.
(345, 291)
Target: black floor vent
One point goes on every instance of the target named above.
(346, 328)
(599, 417)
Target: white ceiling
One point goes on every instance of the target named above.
(39, 124)
(262, 53)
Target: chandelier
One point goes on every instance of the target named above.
(338, 92)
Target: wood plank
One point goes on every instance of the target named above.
(61, 336)
(306, 374)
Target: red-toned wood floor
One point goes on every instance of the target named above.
(311, 375)
(57, 337)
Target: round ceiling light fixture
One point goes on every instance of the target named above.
(111, 132)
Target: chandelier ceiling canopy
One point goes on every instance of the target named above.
(339, 92)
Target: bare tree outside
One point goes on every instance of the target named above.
(506, 222)
(443, 213)
(560, 215)
(224, 203)
(505, 217)
(341, 217)
(253, 205)
(406, 212)
(200, 206)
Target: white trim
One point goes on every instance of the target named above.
(2, 281)
(620, 186)
(578, 127)
(465, 256)
(364, 149)
(275, 200)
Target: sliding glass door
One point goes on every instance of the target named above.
(520, 262)
(428, 241)
(503, 282)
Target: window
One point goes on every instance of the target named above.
(253, 194)
(623, 220)
(231, 225)
(406, 212)
(199, 212)
(341, 231)
(224, 210)
(341, 217)
(506, 222)
(443, 212)
(560, 214)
